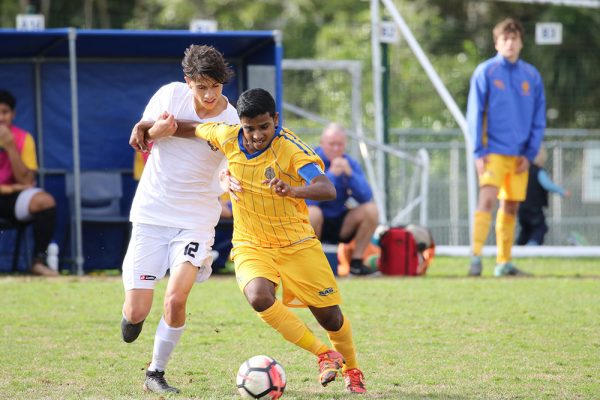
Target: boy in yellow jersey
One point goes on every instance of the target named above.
(273, 241)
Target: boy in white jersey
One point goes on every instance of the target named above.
(176, 207)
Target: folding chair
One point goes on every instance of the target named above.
(101, 194)
(21, 237)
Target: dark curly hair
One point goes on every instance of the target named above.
(255, 102)
(205, 62)
(7, 98)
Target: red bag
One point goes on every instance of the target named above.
(399, 255)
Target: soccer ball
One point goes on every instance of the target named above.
(421, 235)
(261, 377)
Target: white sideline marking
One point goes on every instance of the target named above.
(525, 251)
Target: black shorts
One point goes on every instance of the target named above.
(332, 228)
(7, 206)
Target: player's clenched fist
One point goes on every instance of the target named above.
(281, 188)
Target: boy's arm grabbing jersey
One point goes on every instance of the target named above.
(261, 217)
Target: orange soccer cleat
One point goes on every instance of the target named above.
(355, 381)
(330, 363)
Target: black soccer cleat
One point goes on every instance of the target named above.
(156, 382)
(130, 331)
(358, 268)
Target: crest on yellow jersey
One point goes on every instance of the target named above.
(269, 173)
(525, 88)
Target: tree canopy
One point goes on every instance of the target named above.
(455, 34)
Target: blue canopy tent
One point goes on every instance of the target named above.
(79, 92)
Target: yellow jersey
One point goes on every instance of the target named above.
(262, 218)
(28, 155)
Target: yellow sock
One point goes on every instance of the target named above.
(292, 328)
(505, 236)
(481, 228)
(342, 342)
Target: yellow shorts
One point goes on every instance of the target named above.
(302, 269)
(500, 172)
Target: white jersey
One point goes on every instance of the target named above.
(179, 187)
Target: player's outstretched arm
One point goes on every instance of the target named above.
(186, 128)
(320, 189)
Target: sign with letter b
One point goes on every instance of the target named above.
(548, 33)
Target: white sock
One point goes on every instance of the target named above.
(165, 340)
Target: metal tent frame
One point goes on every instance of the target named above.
(246, 48)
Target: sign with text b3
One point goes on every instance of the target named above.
(548, 33)
(30, 22)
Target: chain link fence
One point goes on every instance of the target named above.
(571, 220)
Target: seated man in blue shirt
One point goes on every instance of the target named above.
(333, 221)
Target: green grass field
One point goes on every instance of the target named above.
(443, 336)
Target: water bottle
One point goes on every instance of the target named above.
(52, 258)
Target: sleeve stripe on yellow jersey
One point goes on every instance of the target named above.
(298, 142)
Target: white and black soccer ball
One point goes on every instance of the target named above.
(261, 377)
(421, 235)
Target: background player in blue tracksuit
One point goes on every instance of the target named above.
(531, 212)
(506, 116)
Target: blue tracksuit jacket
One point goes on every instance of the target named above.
(506, 109)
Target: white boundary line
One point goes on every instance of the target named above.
(525, 251)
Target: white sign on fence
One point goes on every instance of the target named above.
(591, 175)
(388, 32)
(203, 25)
(548, 33)
(30, 22)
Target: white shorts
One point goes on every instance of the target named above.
(154, 249)
(22, 204)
